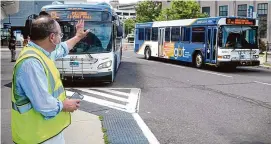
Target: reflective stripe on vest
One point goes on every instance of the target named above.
(26, 107)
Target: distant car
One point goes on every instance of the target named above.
(130, 38)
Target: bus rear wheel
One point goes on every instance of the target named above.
(147, 53)
(198, 60)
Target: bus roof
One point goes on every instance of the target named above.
(85, 6)
(189, 22)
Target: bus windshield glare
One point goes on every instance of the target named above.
(98, 40)
(239, 37)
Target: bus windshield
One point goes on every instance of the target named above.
(239, 37)
(98, 40)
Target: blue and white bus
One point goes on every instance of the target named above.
(98, 55)
(218, 41)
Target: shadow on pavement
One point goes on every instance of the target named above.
(9, 85)
(168, 61)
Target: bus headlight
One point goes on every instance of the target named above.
(256, 56)
(105, 65)
(226, 57)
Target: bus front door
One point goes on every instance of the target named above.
(211, 47)
(161, 40)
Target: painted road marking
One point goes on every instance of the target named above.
(133, 97)
(116, 92)
(103, 94)
(145, 129)
(214, 73)
(111, 97)
(262, 83)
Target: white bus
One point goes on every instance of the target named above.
(217, 41)
(98, 56)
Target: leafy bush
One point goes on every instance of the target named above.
(262, 45)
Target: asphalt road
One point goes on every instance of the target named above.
(182, 104)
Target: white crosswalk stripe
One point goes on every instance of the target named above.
(125, 99)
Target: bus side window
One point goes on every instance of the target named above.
(167, 34)
(175, 34)
(141, 34)
(198, 34)
(147, 33)
(154, 35)
(186, 34)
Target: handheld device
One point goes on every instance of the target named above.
(77, 95)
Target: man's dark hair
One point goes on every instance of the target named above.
(42, 27)
(43, 13)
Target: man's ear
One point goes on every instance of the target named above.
(51, 36)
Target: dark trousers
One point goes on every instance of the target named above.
(13, 54)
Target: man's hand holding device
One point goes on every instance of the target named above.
(73, 103)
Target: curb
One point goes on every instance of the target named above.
(265, 66)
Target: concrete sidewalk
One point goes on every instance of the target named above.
(86, 128)
(264, 62)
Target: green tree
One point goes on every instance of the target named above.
(147, 11)
(129, 25)
(181, 10)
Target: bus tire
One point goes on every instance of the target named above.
(147, 53)
(198, 60)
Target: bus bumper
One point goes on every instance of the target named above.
(239, 63)
(101, 77)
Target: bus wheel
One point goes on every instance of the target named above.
(147, 53)
(198, 60)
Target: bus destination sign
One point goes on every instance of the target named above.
(78, 15)
(238, 21)
(70, 15)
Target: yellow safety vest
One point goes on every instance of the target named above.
(27, 125)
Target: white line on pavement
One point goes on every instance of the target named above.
(104, 95)
(133, 95)
(100, 102)
(133, 98)
(214, 73)
(146, 131)
(115, 92)
(262, 83)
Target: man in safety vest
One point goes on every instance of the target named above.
(40, 109)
